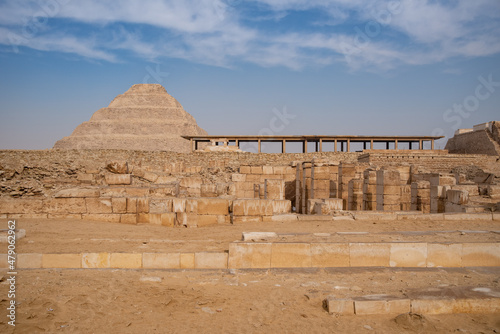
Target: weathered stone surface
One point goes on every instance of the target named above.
(339, 306)
(249, 255)
(66, 205)
(119, 204)
(61, 261)
(77, 193)
(444, 255)
(481, 254)
(187, 260)
(407, 254)
(252, 207)
(99, 205)
(381, 306)
(145, 117)
(213, 206)
(95, 260)
(118, 179)
(29, 261)
(161, 260)
(329, 255)
(205, 260)
(28, 206)
(291, 255)
(125, 260)
(369, 254)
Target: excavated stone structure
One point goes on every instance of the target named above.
(145, 118)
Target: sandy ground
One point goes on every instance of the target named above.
(261, 301)
(229, 301)
(79, 236)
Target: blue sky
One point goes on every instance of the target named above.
(339, 67)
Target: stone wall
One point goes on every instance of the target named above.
(477, 142)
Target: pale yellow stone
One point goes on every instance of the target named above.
(249, 255)
(161, 261)
(290, 255)
(125, 260)
(61, 261)
(95, 260)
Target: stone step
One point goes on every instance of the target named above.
(445, 300)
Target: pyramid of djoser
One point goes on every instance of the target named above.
(144, 118)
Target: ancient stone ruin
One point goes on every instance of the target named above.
(129, 168)
(145, 118)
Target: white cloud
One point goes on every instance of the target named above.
(215, 31)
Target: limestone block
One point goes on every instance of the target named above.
(275, 189)
(245, 169)
(444, 255)
(77, 193)
(408, 255)
(85, 178)
(472, 189)
(252, 207)
(208, 190)
(112, 192)
(99, 205)
(162, 179)
(186, 219)
(192, 205)
(454, 306)
(238, 177)
(142, 205)
(205, 260)
(390, 306)
(281, 207)
(164, 191)
(179, 204)
(481, 255)
(267, 170)
(493, 191)
(249, 255)
(128, 218)
(160, 205)
(143, 218)
(161, 261)
(29, 261)
(102, 217)
(443, 180)
(213, 206)
(388, 177)
(246, 219)
(255, 170)
(187, 260)
(290, 255)
(61, 261)
(468, 216)
(207, 220)
(66, 205)
(223, 219)
(339, 306)
(118, 179)
(369, 254)
(131, 205)
(329, 255)
(457, 196)
(126, 260)
(95, 260)
(119, 204)
(150, 176)
(168, 219)
(191, 182)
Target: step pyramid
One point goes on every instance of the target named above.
(144, 118)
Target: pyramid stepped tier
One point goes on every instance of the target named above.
(146, 118)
